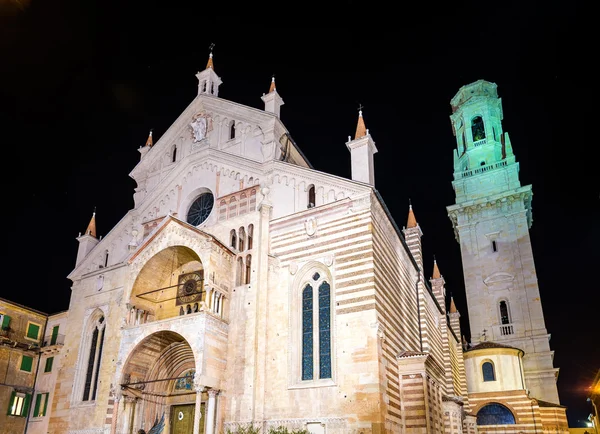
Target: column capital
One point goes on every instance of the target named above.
(213, 392)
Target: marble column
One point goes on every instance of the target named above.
(210, 411)
(198, 408)
(115, 414)
(130, 402)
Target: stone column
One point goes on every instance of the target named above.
(115, 414)
(197, 410)
(210, 411)
(130, 413)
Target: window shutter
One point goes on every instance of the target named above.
(54, 335)
(38, 401)
(46, 403)
(5, 322)
(11, 402)
(26, 363)
(33, 331)
(48, 367)
(26, 405)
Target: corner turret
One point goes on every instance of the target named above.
(362, 149)
(87, 241)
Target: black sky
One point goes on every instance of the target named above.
(82, 84)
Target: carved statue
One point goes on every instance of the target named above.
(199, 128)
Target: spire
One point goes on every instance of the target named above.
(452, 305)
(149, 142)
(436, 271)
(91, 229)
(209, 64)
(272, 88)
(361, 129)
(412, 221)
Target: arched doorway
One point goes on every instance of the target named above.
(158, 388)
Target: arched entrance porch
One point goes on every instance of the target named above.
(159, 394)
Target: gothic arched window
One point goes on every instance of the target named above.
(316, 329)
(95, 341)
(250, 233)
(240, 272)
(242, 239)
(495, 414)
(487, 369)
(248, 268)
(233, 239)
(232, 130)
(174, 154)
(477, 128)
(504, 315)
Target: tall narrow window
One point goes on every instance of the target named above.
(316, 329)
(494, 246)
(240, 272)
(232, 130)
(311, 196)
(48, 365)
(242, 239)
(250, 233)
(106, 259)
(174, 154)
(307, 333)
(41, 405)
(233, 239)
(488, 371)
(248, 268)
(504, 316)
(477, 128)
(324, 331)
(93, 361)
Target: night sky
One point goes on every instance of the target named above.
(81, 86)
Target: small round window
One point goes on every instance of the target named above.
(200, 209)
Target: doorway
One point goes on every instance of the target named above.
(182, 417)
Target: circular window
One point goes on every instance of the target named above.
(200, 209)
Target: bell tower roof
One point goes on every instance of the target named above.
(210, 64)
(149, 141)
(361, 129)
(91, 228)
(412, 221)
(436, 271)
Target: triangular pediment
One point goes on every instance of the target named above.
(182, 230)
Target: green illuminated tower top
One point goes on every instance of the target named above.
(482, 145)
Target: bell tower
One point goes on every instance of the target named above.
(491, 221)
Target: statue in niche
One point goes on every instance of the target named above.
(201, 124)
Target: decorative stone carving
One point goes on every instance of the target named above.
(293, 267)
(310, 226)
(201, 124)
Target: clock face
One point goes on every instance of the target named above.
(200, 209)
(189, 289)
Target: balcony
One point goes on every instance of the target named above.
(480, 169)
(52, 344)
(480, 142)
(15, 337)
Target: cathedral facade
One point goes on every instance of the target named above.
(247, 289)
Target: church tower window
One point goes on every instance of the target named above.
(242, 239)
(232, 130)
(477, 128)
(494, 246)
(487, 370)
(250, 233)
(504, 315)
(240, 272)
(311, 196)
(248, 268)
(316, 329)
(233, 239)
(174, 154)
